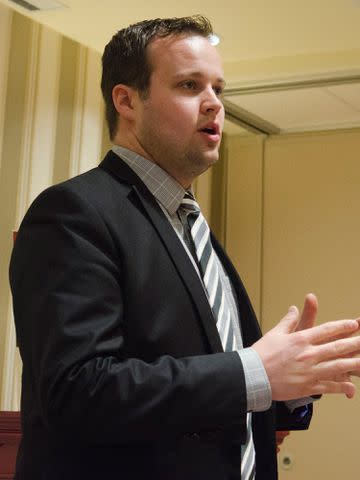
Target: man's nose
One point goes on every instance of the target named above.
(211, 102)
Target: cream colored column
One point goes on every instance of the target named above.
(106, 144)
(36, 163)
(5, 235)
(244, 211)
(14, 184)
(5, 32)
(43, 122)
(12, 362)
(78, 112)
(203, 192)
(311, 244)
(88, 113)
(65, 150)
(92, 115)
(23, 191)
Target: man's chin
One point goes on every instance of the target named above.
(206, 163)
(210, 158)
(199, 162)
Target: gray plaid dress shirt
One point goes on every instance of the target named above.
(169, 194)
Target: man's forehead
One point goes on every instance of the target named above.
(186, 48)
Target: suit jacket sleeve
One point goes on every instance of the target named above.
(299, 419)
(70, 293)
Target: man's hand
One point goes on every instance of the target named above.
(280, 435)
(302, 360)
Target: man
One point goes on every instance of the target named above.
(142, 355)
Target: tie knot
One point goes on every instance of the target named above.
(189, 204)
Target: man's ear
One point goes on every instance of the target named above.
(123, 97)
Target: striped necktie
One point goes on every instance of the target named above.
(209, 269)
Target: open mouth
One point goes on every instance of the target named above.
(211, 131)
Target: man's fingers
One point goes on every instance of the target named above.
(332, 330)
(347, 388)
(338, 369)
(345, 377)
(343, 348)
(309, 312)
(288, 323)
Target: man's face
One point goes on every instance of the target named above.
(180, 122)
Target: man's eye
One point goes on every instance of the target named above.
(189, 84)
(218, 91)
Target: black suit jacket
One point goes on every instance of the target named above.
(124, 374)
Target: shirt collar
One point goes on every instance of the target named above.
(164, 187)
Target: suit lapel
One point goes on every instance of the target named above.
(172, 244)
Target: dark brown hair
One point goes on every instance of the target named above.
(125, 60)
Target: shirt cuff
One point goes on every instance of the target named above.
(299, 402)
(258, 388)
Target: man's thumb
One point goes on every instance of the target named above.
(289, 323)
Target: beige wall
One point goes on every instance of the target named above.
(293, 228)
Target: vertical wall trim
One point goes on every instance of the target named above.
(106, 143)
(219, 193)
(244, 210)
(65, 109)
(5, 36)
(9, 181)
(262, 229)
(11, 372)
(45, 113)
(93, 114)
(202, 189)
(26, 145)
(78, 113)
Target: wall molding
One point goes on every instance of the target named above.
(5, 36)
(27, 137)
(93, 114)
(45, 113)
(12, 367)
(78, 112)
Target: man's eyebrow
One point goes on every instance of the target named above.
(196, 74)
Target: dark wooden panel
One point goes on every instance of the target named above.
(10, 434)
